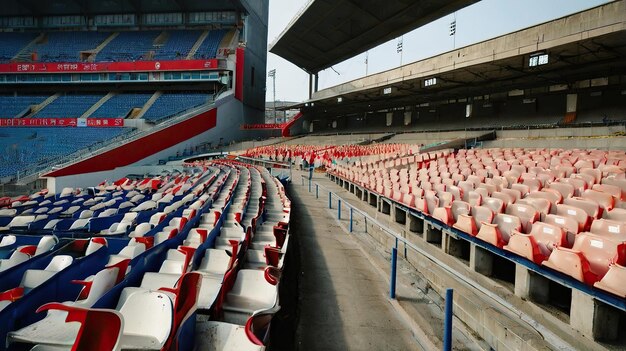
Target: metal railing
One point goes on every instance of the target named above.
(499, 302)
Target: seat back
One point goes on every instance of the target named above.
(46, 243)
(8, 240)
(146, 313)
(494, 204)
(609, 228)
(59, 263)
(507, 224)
(600, 252)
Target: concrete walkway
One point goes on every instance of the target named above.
(343, 302)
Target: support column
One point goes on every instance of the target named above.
(530, 285)
(481, 260)
(593, 318)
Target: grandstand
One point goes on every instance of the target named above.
(146, 200)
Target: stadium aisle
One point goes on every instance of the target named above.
(346, 306)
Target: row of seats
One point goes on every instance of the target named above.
(229, 200)
(67, 46)
(563, 209)
(25, 147)
(136, 305)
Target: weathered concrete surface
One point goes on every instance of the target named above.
(342, 300)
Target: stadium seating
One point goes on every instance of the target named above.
(208, 48)
(128, 46)
(178, 45)
(11, 106)
(13, 43)
(24, 147)
(67, 46)
(170, 104)
(120, 105)
(71, 105)
(557, 208)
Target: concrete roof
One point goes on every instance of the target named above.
(589, 44)
(327, 32)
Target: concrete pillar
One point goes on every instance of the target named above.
(530, 285)
(433, 235)
(481, 260)
(454, 246)
(385, 207)
(398, 214)
(415, 224)
(593, 318)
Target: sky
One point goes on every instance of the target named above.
(481, 21)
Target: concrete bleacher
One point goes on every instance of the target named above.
(551, 207)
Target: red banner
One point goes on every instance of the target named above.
(62, 122)
(137, 66)
(262, 126)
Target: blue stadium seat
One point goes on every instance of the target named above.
(13, 43)
(119, 105)
(178, 45)
(209, 46)
(129, 46)
(11, 106)
(22, 148)
(68, 106)
(66, 46)
(170, 104)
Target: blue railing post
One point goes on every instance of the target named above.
(365, 220)
(310, 173)
(447, 326)
(339, 209)
(394, 259)
(330, 199)
(317, 191)
(309, 184)
(351, 210)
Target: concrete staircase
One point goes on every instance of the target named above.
(196, 46)
(46, 102)
(104, 43)
(148, 104)
(24, 54)
(97, 105)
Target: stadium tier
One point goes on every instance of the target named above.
(157, 252)
(23, 148)
(73, 105)
(67, 46)
(13, 43)
(120, 105)
(13, 106)
(171, 103)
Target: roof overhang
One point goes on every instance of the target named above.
(327, 32)
(585, 45)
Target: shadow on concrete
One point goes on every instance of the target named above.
(310, 318)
